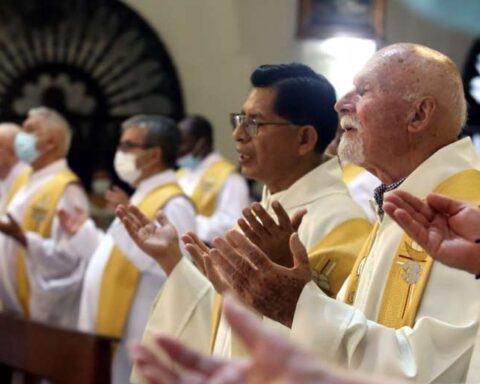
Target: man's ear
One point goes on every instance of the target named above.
(156, 155)
(421, 114)
(307, 139)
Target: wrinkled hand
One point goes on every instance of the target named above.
(274, 359)
(116, 196)
(71, 222)
(446, 228)
(272, 238)
(200, 255)
(158, 239)
(9, 227)
(273, 290)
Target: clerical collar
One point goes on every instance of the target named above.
(380, 191)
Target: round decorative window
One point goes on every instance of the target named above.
(95, 61)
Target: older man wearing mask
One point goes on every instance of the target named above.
(121, 281)
(41, 277)
(13, 173)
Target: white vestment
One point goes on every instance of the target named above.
(184, 307)
(232, 198)
(55, 272)
(7, 183)
(181, 214)
(438, 347)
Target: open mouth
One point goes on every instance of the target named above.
(349, 124)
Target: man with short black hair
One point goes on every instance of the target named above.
(280, 140)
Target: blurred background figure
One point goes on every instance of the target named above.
(102, 212)
(40, 276)
(218, 191)
(121, 281)
(13, 172)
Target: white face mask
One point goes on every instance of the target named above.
(100, 186)
(126, 167)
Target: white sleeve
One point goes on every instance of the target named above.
(179, 212)
(53, 258)
(182, 310)
(233, 197)
(431, 351)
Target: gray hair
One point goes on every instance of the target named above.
(57, 120)
(161, 132)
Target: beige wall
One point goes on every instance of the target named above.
(215, 44)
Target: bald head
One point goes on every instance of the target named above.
(416, 71)
(8, 159)
(407, 103)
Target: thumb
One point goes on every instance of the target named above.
(162, 218)
(300, 256)
(297, 218)
(444, 204)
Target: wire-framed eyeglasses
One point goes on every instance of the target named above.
(251, 124)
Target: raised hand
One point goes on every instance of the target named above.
(71, 222)
(158, 239)
(11, 228)
(116, 196)
(270, 288)
(200, 255)
(448, 229)
(272, 238)
(273, 359)
(198, 369)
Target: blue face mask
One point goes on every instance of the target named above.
(26, 147)
(188, 161)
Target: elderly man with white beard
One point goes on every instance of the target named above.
(399, 313)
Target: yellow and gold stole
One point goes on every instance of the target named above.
(121, 277)
(38, 217)
(19, 182)
(411, 265)
(206, 192)
(331, 259)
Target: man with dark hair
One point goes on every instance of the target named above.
(280, 142)
(121, 282)
(219, 193)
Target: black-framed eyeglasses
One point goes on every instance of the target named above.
(251, 124)
(128, 146)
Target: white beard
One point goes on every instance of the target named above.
(351, 149)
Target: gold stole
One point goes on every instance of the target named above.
(331, 259)
(205, 193)
(411, 265)
(121, 277)
(18, 183)
(350, 172)
(38, 217)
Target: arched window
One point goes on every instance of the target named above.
(95, 61)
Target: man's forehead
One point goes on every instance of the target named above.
(260, 101)
(133, 132)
